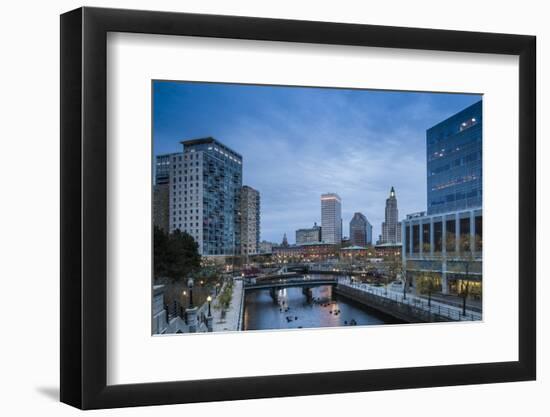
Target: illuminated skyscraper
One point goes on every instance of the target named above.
(331, 218)
(391, 228)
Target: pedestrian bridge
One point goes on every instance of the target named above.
(282, 282)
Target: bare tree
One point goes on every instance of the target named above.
(390, 270)
(396, 268)
(467, 259)
(404, 279)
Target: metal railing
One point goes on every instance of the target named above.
(278, 282)
(431, 311)
(241, 310)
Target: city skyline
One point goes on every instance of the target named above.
(298, 143)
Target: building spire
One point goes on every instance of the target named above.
(392, 192)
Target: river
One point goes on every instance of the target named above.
(294, 311)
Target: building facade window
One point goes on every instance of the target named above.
(416, 238)
(478, 233)
(465, 234)
(438, 236)
(426, 237)
(450, 241)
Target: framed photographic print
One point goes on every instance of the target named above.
(258, 207)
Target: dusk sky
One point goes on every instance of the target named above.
(298, 143)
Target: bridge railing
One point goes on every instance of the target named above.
(288, 281)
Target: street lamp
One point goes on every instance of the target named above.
(190, 286)
(209, 299)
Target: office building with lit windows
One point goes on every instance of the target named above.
(449, 244)
(205, 187)
(447, 240)
(331, 218)
(454, 154)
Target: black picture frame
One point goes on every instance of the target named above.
(84, 207)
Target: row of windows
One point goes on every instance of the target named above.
(185, 205)
(190, 178)
(185, 192)
(190, 211)
(454, 146)
(191, 155)
(449, 241)
(190, 218)
(458, 196)
(472, 157)
(186, 170)
(454, 181)
(186, 165)
(193, 232)
(190, 184)
(454, 126)
(221, 152)
(176, 200)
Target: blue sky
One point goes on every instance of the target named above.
(299, 142)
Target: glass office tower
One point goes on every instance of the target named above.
(454, 154)
(360, 230)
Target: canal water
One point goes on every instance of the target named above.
(293, 310)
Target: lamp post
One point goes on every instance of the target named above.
(190, 286)
(209, 318)
(191, 311)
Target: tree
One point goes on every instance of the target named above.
(404, 279)
(427, 284)
(223, 301)
(464, 292)
(397, 270)
(394, 266)
(176, 255)
(467, 258)
(160, 249)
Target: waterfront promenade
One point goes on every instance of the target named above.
(233, 315)
(436, 308)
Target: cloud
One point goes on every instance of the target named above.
(298, 143)
(299, 155)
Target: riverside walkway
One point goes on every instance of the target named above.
(436, 311)
(233, 315)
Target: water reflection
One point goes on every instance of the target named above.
(294, 309)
